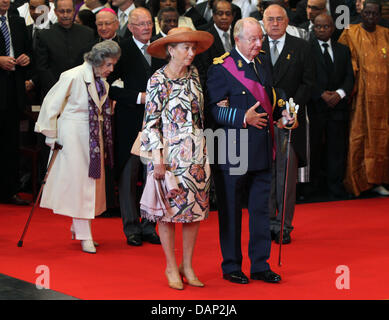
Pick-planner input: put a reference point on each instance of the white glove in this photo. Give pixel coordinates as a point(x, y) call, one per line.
point(50, 142)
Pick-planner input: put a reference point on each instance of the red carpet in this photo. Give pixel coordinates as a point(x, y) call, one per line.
point(327, 235)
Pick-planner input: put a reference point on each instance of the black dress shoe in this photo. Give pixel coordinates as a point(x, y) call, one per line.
point(286, 239)
point(152, 238)
point(16, 200)
point(134, 240)
point(267, 276)
point(236, 277)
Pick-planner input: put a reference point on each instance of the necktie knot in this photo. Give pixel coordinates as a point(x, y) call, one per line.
point(2, 19)
point(325, 45)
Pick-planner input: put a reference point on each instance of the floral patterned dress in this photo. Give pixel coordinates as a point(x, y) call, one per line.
point(173, 122)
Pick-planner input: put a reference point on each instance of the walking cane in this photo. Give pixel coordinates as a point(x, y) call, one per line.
point(57, 147)
point(292, 108)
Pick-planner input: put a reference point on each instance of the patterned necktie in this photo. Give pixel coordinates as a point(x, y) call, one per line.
point(145, 53)
point(227, 43)
point(274, 54)
point(5, 32)
point(327, 58)
point(122, 20)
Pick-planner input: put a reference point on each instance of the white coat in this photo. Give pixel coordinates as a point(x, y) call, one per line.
point(64, 115)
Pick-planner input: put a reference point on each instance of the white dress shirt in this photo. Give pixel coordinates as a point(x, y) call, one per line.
point(126, 12)
point(221, 35)
point(280, 44)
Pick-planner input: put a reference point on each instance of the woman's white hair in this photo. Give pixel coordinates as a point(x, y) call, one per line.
point(239, 26)
point(101, 51)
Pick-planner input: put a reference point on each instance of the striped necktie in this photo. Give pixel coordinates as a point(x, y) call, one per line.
point(5, 32)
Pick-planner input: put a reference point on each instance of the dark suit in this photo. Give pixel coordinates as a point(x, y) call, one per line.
point(133, 69)
point(294, 73)
point(215, 50)
point(301, 20)
point(32, 73)
point(301, 11)
point(58, 49)
point(330, 122)
point(197, 19)
point(222, 84)
point(12, 103)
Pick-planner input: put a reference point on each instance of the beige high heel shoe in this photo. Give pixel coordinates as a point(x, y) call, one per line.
point(191, 281)
point(96, 244)
point(178, 285)
point(88, 246)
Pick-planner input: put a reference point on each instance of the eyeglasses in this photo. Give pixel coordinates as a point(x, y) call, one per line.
point(253, 40)
point(106, 23)
point(324, 26)
point(272, 19)
point(374, 14)
point(143, 24)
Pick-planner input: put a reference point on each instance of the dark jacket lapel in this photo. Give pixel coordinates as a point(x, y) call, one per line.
point(139, 56)
point(284, 60)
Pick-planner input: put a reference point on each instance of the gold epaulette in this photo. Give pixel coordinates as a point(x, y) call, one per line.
point(219, 60)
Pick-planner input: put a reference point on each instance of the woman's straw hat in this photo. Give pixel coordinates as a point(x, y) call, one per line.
point(203, 39)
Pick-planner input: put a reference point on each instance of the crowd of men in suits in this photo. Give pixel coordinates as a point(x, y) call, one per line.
point(300, 65)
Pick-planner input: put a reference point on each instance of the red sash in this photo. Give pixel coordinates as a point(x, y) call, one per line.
point(257, 90)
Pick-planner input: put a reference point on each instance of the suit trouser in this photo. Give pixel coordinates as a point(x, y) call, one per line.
point(9, 142)
point(278, 183)
point(229, 195)
point(329, 141)
point(129, 204)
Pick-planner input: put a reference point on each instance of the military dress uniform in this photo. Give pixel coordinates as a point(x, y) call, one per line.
point(232, 77)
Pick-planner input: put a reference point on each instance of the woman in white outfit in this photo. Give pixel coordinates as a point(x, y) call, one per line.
point(76, 114)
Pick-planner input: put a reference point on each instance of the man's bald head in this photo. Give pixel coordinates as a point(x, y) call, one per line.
point(275, 20)
point(323, 26)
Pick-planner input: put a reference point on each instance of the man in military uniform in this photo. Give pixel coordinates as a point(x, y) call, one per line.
point(243, 78)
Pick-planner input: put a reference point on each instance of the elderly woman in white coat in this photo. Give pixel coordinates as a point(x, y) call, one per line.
point(76, 114)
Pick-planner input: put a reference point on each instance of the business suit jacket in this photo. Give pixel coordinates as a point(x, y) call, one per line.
point(21, 44)
point(204, 60)
point(302, 21)
point(133, 69)
point(197, 19)
point(220, 85)
point(58, 49)
point(294, 73)
point(301, 10)
point(35, 96)
point(342, 77)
